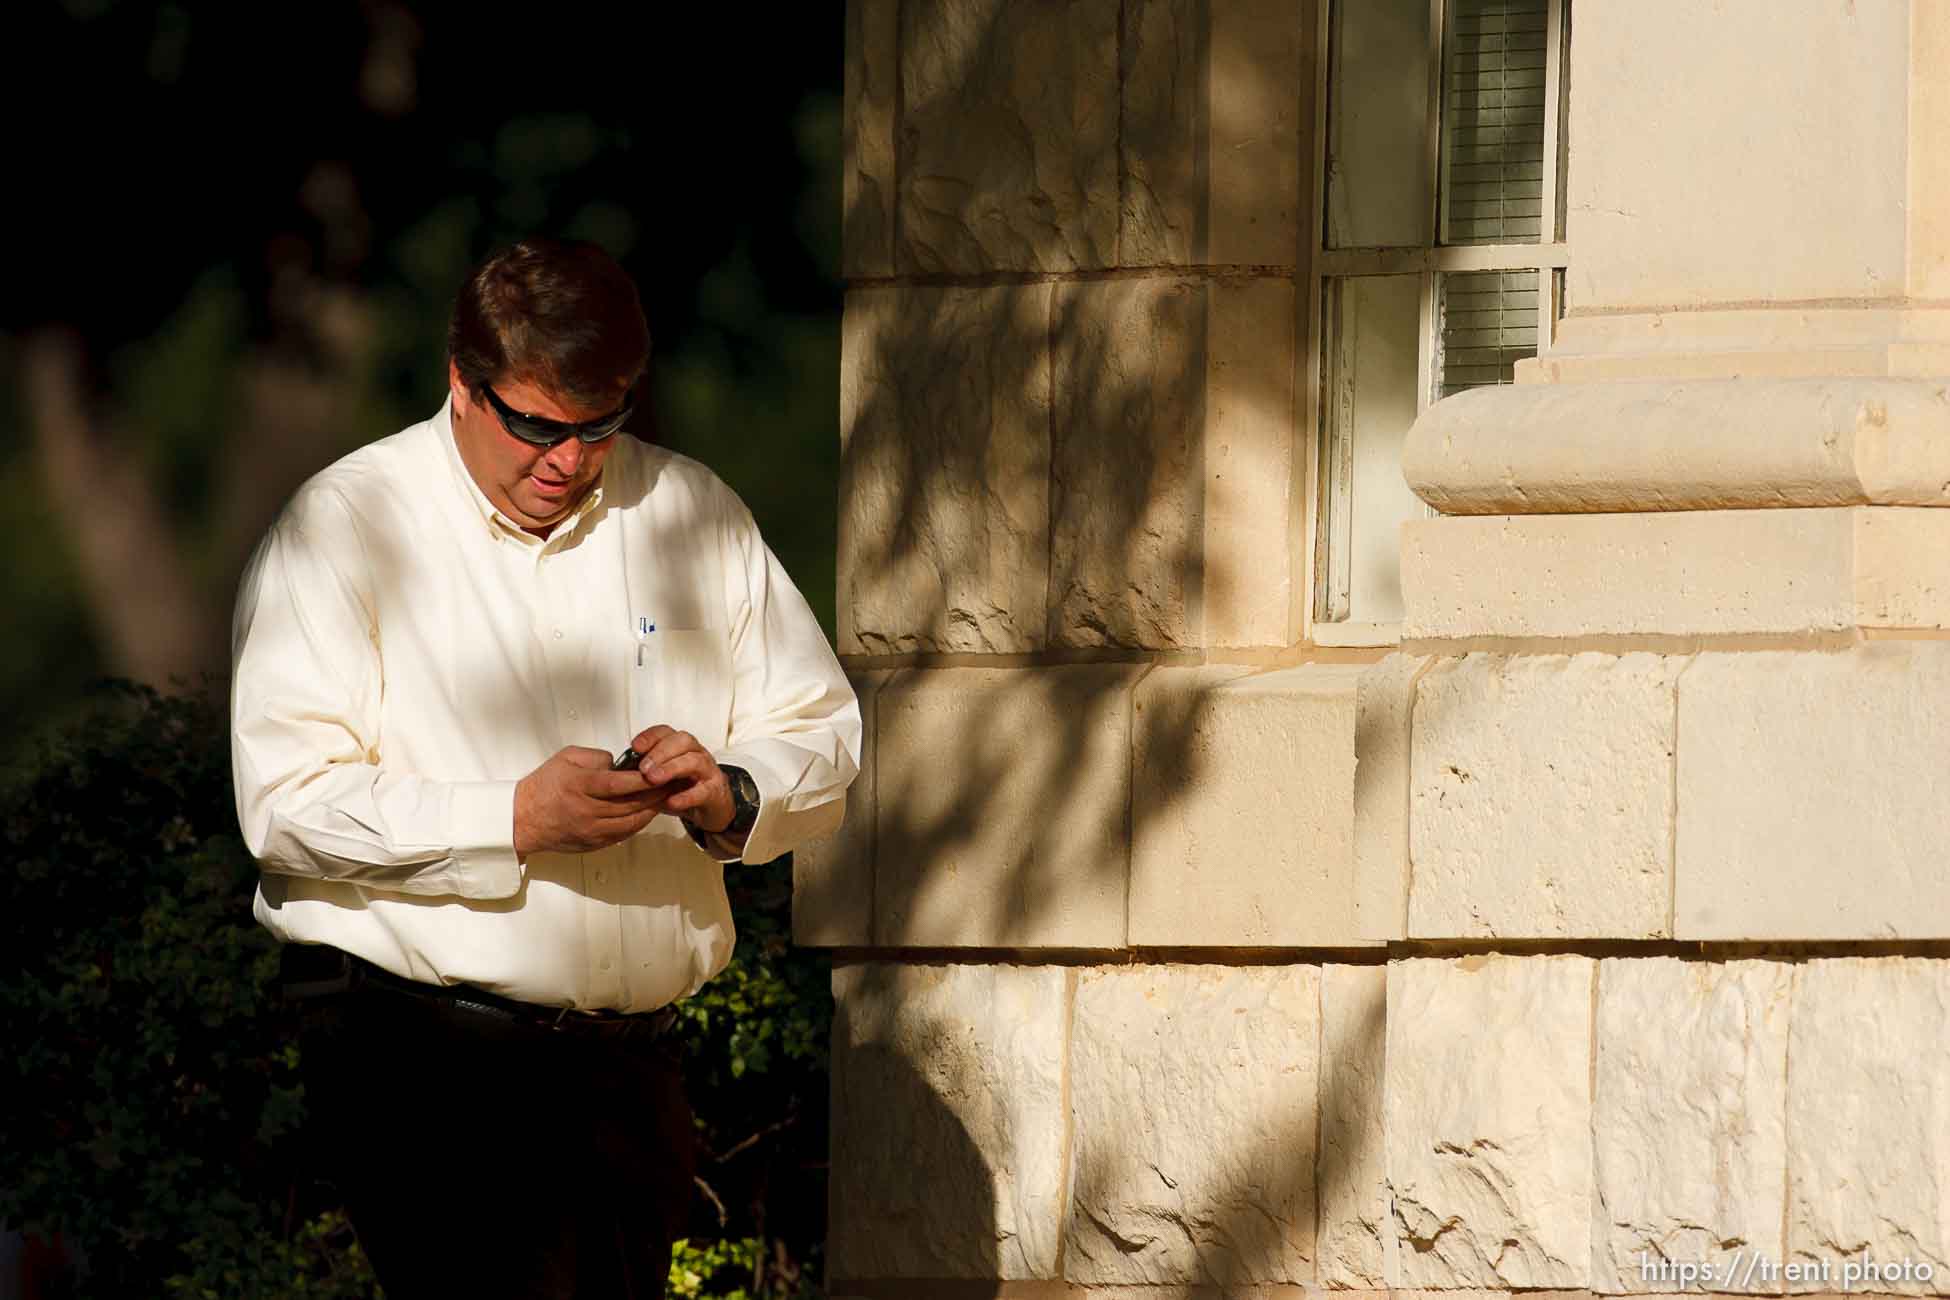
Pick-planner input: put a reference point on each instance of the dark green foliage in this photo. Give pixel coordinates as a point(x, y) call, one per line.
point(155, 1118)
point(757, 1081)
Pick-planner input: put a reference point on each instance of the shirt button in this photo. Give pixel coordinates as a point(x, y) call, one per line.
point(599, 877)
point(603, 964)
point(574, 714)
point(558, 634)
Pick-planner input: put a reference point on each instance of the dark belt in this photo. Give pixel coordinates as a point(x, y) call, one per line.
point(309, 970)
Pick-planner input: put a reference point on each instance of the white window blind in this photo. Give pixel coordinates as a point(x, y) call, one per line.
point(1493, 89)
point(1488, 323)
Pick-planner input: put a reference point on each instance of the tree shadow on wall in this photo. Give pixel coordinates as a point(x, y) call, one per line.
point(1062, 466)
point(911, 1190)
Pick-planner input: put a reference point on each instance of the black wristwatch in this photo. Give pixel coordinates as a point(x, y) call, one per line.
point(744, 807)
point(744, 799)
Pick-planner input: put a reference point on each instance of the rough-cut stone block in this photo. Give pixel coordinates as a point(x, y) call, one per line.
point(944, 479)
point(1125, 500)
point(1488, 1117)
point(1242, 816)
point(1677, 573)
point(1008, 136)
point(1001, 816)
point(1172, 505)
point(1689, 1111)
point(1542, 797)
point(1384, 700)
point(1215, 97)
point(867, 190)
point(1869, 1121)
point(1357, 1228)
point(1253, 473)
point(948, 1121)
point(1814, 794)
point(1193, 1094)
point(832, 878)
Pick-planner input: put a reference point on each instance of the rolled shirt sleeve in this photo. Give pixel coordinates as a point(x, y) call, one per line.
point(314, 795)
point(795, 723)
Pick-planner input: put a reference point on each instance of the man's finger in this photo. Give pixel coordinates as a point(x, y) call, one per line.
point(616, 785)
point(648, 737)
point(654, 798)
point(630, 825)
point(696, 796)
point(583, 756)
point(677, 742)
point(694, 764)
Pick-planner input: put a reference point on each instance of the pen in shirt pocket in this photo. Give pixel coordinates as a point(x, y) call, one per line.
point(644, 627)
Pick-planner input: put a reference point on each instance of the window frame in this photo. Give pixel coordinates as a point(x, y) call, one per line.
point(1330, 565)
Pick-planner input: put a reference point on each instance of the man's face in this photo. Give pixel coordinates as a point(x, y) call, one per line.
point(534, 486)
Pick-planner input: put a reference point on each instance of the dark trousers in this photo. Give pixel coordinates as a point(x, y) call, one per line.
point(486, 1160)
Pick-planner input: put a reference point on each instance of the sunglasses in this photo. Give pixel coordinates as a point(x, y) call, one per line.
point(538, 432)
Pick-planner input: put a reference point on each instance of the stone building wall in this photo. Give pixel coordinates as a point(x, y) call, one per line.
point(1600, 921)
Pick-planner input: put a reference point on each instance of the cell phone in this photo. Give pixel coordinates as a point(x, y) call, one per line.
point(626, 760)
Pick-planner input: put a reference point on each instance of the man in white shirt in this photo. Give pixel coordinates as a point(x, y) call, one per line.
point(438, 648)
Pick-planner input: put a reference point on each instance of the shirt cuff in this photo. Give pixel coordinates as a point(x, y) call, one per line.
point(721, 847)
point(482, 832)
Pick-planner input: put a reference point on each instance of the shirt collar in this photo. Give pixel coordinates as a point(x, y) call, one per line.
point(498, 523)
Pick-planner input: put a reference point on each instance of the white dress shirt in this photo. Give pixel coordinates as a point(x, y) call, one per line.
point(403, 654)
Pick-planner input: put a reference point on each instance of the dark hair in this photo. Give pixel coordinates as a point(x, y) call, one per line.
point(559, 314)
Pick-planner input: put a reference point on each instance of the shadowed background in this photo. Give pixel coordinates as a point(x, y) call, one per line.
point(235, 234)
point(237, 231)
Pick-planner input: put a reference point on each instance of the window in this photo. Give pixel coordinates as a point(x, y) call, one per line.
point(1441, 248)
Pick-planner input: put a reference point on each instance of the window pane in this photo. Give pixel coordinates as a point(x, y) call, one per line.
point(1493, 66)
point(1488, 322)
point(1374, 330)
point(1378, 124)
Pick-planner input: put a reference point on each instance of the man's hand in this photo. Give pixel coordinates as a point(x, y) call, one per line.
point(573, 803)
point(690, 779)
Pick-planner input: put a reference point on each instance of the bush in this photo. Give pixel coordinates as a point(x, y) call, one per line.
point(157, 1115)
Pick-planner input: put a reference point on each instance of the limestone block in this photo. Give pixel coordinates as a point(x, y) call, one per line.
point(1243, 809)
point(1685, 573)
point(867, 107)
point(1357, 1228)
point(1193, 1095)
point(1550, 448)
point(1008, 136)
point(832, 878)
point(1185, 1291)
point(948, 1121)
point(1173, 463)
point(1902, 576)
point(1126, 524)
point(1488, 1119)
point(1928, 206)
point(1825, 176)
point(1869, 1120)
point(944, 507)
point(1690, 1104)
point(1252, 593)
point(1384, 700)
point(1216, 120)
point(1814, 796)
point(1001, 814)
point(1541, 798)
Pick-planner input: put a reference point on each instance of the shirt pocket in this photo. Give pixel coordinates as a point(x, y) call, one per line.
point(681, 677)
